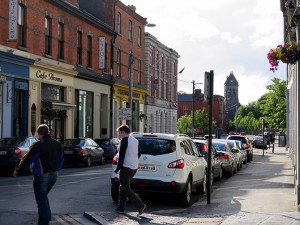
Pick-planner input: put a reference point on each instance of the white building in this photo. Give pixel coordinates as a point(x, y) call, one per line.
point(161, 66)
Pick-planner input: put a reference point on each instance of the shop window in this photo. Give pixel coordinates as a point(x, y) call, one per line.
point(60, 40)
point(48, 35)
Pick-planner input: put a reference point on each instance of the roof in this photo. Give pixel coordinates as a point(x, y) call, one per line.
point(231, 80)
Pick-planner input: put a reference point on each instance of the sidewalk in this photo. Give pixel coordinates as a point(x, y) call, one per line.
point(261, 193)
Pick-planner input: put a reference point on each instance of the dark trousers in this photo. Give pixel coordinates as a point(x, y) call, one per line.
point(42, 184)
point(125, 191)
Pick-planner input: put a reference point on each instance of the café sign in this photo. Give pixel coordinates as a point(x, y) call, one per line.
point(43, 75)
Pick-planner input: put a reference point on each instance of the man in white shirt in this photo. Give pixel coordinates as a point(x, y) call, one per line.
point(127, 165)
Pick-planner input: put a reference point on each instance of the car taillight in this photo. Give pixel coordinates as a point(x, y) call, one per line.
point(178, 164)
point(114, 162)
point(204, 148)
point(224, 156)
point(80, 151)
point(18, 151)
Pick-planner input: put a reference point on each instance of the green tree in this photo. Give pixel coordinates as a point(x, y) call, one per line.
point(201, 120)
point(184, 124)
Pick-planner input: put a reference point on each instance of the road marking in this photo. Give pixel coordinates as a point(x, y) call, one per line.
point(58, 219)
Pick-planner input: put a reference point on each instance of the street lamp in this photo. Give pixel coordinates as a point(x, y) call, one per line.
point(131, 61)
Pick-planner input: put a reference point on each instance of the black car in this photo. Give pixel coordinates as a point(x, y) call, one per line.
point(12, 149)
point(109, 146)
point(82, 151)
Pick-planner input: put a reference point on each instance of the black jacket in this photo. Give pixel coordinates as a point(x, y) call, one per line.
point(46, 155)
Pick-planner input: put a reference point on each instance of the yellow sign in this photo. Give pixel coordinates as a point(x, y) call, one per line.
point(2, 79)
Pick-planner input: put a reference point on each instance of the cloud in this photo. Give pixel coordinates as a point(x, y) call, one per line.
point(227, 36)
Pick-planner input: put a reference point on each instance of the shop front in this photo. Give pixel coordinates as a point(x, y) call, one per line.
point(14, 93)
point(93, 113)
point(121, 99)
point(51, 100)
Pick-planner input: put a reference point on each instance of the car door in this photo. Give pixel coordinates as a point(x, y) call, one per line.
point(98, 151)
point(89, 148)
point(200, 162)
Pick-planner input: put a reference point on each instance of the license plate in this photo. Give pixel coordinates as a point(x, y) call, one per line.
point(147, 167)
point(3, 152)
point(68, 152)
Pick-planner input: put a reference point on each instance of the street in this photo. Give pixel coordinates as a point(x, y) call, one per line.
point(78, 189)
point(262, 190)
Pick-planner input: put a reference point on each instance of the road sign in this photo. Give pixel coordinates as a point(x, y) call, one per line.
point(125, 114)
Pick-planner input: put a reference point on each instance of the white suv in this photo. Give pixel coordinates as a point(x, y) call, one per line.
point(169, 164)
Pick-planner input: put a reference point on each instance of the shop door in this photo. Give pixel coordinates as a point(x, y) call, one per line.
point(55, 121)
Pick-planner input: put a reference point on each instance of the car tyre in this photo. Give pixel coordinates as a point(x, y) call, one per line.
point(88, 161)
point(230, 173)
point(220, 177)
point(114, 194)
point(186, 196)
point(102, 160)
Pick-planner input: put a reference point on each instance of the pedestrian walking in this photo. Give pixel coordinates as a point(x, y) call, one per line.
point(127, 165)
point(46, 157)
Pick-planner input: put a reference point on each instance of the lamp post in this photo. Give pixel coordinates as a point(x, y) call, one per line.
point(193, 109)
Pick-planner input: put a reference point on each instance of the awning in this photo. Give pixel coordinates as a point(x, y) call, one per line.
point(57, 105)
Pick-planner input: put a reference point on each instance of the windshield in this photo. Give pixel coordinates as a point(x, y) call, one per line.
point(155, 146)
point(242, 139)
point(15, 141)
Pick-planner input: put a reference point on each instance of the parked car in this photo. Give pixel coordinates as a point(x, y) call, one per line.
point(246, 144)
point(12, 149)
point(258, 141)
point(234, 148)
point(215, 161)
point(82, 151)
point(266, 136)
point(242, 150)
point(109, 146)
point(169, 164)
point(228, 159)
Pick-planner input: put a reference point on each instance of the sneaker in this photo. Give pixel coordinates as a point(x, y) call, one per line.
point(118, 210)
point(141, 210)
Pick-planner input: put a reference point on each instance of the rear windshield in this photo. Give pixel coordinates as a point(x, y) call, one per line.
point(73, 142)
point(102, 142)
point(155, 146)
point(242, 139)
point(219, 146)
point(16, 141)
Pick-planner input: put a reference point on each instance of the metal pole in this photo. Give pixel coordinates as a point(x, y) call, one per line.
point(193, 110)
point(263, 129)
point(131, 61)
point(209, 169)
point(236, 118)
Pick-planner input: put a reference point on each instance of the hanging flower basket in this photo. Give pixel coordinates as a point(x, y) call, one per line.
point(288, 53)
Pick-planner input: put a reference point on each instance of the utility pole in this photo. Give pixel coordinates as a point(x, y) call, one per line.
point(193, 110)
point(131, 61)
point(236, 118)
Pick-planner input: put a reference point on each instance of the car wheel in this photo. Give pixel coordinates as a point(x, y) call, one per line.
point(114, 193)
point(187, 194)
point(88, 161)
point(102, 160)
point(203, 187)
point(248, 158)
point(230, 173)
point(219, 178)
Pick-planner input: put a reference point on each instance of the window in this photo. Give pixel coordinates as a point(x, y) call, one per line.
point(79, 48)
point(139, 71)
point(130, 30)
point(60, 40)
point(48, 35)
point(119, 22)
point(139, 36)
point(84, 114)
point(89, 52)
point(119, 62)
point(21, 26)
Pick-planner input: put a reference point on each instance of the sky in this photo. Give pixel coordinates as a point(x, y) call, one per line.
point(221, 35)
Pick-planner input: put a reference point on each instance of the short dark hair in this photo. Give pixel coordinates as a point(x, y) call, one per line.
point(43, 130)
point(124, 128)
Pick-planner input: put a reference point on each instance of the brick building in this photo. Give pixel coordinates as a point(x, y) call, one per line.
point(185, 105)
point(55, 60)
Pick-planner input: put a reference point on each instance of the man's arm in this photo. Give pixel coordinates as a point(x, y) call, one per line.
point(26, 160)
point(124, 145)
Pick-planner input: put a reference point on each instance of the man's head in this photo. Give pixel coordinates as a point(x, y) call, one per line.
point(123, 131)
point(43, 130)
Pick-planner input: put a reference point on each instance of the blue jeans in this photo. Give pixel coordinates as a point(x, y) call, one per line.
point(42, 184)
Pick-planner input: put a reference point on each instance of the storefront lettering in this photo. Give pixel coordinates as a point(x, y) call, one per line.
point(123, 92)
point(47, 76)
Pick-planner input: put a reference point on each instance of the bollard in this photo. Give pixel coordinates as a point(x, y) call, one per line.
point(273, 148)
